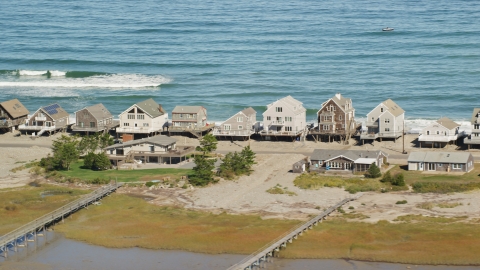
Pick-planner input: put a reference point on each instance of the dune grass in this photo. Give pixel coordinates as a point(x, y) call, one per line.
point(76, 171)
point(21, 205)
point(416, 240)
point(124, 221)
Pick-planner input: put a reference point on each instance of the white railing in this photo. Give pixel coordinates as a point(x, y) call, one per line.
point(40, 118)
point(137, 129)
point(233, 132)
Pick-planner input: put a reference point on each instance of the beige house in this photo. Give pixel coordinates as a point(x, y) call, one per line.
point(156, 149)
point(384, 121)
point(49, 119)
point(474, 138)
point(284, 117)
point(145, 117)
point(189, 117)
point(439, 134)
point(12, 114)
point(242, 124)
point(440, 161)
point(95, 118)
point(336, 118)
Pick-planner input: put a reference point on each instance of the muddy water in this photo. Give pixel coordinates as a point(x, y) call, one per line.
point(60, 253)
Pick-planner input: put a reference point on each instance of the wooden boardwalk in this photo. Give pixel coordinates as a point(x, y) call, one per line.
point(268, 250)
point(21, 236)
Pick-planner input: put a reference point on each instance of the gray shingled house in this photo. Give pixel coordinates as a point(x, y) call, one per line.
point(440, 161)
point(439, 133)
point(346, 160)
point(474, 138)
point(12, 114)
point(95, 118)
point(156, 149)
point(190, 119)
point(49, 119)
point(240, 125)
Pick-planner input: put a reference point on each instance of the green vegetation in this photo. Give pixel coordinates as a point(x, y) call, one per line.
point(236, 164)
point(98, 161)
point(414, 240)
point(352, 185)
point(77, 172)
point(444, 187)
point(279, 190)
point(203, 170)
point(402, 202)
point(22, 205)
point(124, 221)
point(430, 205)
point(396, 180)
point(373, 171)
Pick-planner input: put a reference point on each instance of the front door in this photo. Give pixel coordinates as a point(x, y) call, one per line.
point(420, 166)
point(431, 166)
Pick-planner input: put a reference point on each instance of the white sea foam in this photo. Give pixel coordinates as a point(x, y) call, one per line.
point(57, 73)
point(414, 126)
point(99, 81)
point(32, 72)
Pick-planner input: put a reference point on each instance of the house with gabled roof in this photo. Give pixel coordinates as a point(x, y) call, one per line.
point(284, 117)
point(12, 114)
point(48, 119)
point(384, 121)
point(474, 138)
point(156, 149)
point(346, 160)
point(440, 161)
point(439, 133)
point(240, 125)
point(144, 117)
point(336, 118)
point(94, 118)
point(190, 119)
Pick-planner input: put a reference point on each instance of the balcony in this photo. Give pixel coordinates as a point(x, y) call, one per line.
point(139, 130)
point(372, 124)
point(217, 132)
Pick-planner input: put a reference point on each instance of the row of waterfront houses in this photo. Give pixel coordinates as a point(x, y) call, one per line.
point(285, 117)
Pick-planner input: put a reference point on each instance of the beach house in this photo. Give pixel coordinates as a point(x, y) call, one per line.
point(284, 117)
point(155, 149)
point(94, 119)
point(384, 121)
point(439, 133)
point(346, 160)
point(240, 125)
point(474, 138)
point(12, 114)
point(48, 119)
point(146, 117)
point(440, 161)
point(336, 119)
point(190, 119)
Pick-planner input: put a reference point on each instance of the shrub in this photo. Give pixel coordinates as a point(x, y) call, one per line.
point(11, 207)
point(387, 178)
point(340, 209)
point(401, 202)
point(149, 184)
point(373, 171)
point(398, 180)
point(351, 207)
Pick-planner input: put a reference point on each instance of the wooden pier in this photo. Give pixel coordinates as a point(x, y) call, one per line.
point(268, 250)
point(30, 231)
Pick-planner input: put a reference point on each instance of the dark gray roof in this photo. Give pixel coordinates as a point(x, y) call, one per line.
point(160, 140)
point(99, 111)
point(327, 154)
point(151, 107)
point(249, 111)
point(14, 108)
point(439, 157)
point(476, 111)
point(187, 109)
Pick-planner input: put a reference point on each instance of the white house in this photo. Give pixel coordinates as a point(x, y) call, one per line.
point(384, 121)
point(144, 117)
point(439, 133)
point(474, 138)
point(284, 117)
point(241, 124)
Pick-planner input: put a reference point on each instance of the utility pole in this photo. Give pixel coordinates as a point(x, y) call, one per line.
point(403, 135)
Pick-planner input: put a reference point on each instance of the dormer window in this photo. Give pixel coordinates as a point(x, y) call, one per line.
point(278, 109)
point(381, 109)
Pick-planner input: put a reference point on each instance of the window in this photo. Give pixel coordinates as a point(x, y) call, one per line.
point(278, 109)
point(387, 129)
point(288, 118)
point(141, 116)
point(240, 127)
point(145, 124)
point(438, 132)
point(340, 117)
point(279, 119)
point(131, 116)
point(269, 118)
point(227, 127)
point(428, 132)
point(381, 109)
point(92, 124)
point(456, 166)
point(440, 164)
point(126, 124)
point(387, 120)
point(325, 127)
point(476, 126)
point(373, 119)
point(239, 119)
point(288, 128)
point(181, 115)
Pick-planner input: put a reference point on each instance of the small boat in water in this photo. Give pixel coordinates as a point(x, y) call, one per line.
point(387, 29)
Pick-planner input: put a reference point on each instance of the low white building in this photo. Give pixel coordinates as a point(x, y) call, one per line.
point(439, 133)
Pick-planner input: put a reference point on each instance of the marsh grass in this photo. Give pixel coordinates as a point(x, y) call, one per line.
point(431, 205)
point(279, 190)
point(416, 240)
point(123, 221)
point(22, 205)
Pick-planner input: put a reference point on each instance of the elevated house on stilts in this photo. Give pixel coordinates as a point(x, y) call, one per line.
point(94, 119)
point(336, 120)
point(239, 126)
point(386, 121)
point(12, 114)
point(189, 120)
point(48, 119)
point(284, 118)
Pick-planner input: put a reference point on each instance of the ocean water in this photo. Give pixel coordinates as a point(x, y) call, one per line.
point(228, 55)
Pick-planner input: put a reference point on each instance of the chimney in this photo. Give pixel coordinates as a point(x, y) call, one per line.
point(338, 95)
